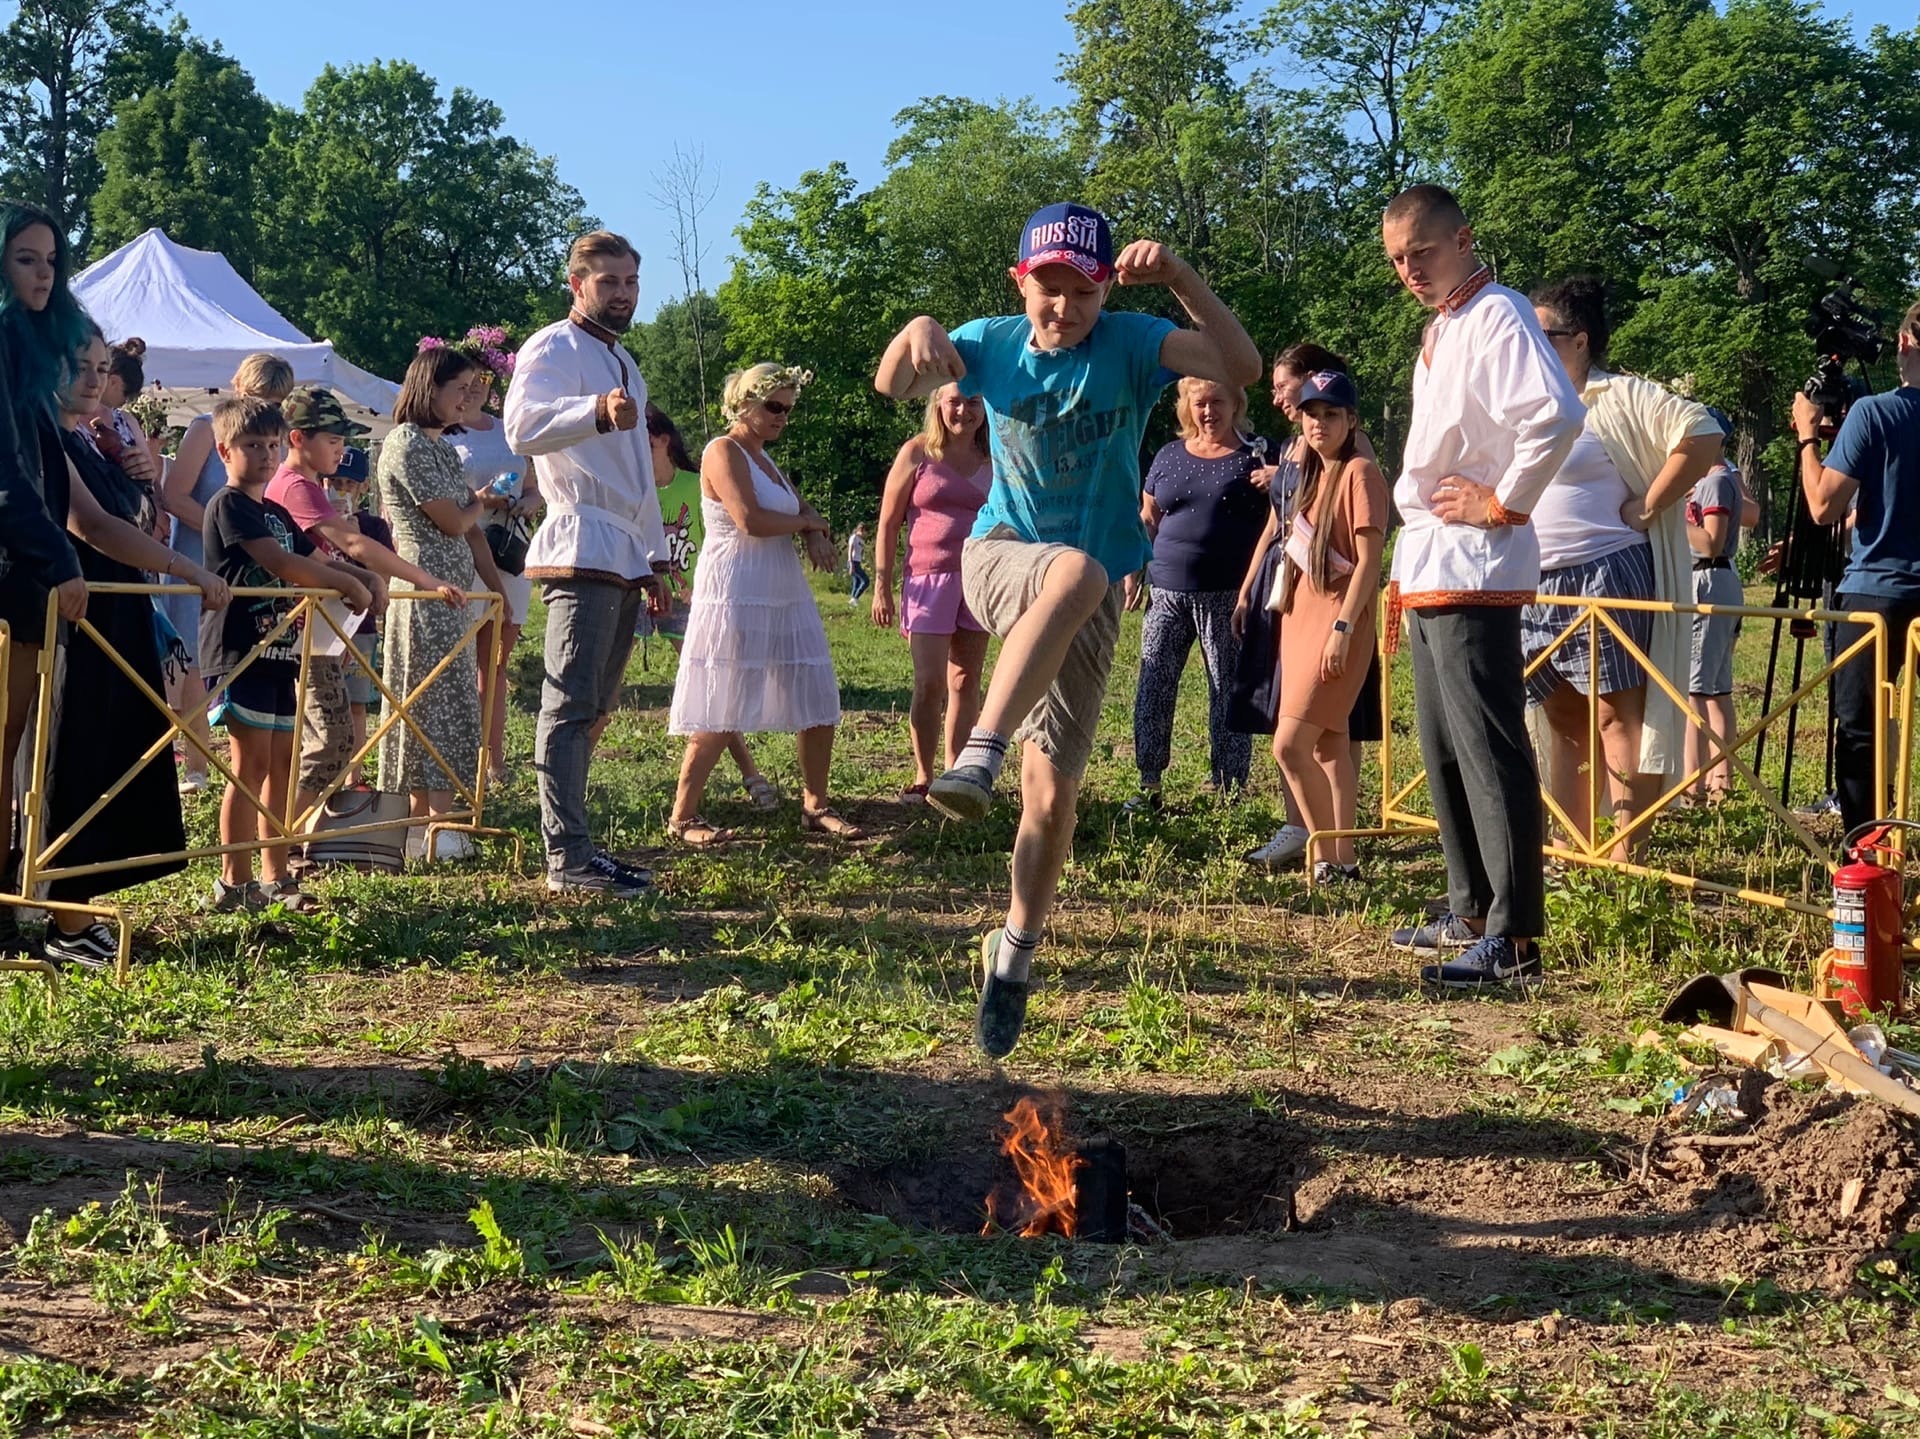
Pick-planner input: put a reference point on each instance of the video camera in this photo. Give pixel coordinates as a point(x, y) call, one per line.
point(1844, 331)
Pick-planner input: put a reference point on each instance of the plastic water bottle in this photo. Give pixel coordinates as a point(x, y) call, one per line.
point(505, 485)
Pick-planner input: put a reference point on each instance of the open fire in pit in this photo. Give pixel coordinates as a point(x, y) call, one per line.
point(1073, 1189)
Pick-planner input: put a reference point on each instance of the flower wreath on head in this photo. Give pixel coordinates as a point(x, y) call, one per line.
point(786, 377)
point(488, 346)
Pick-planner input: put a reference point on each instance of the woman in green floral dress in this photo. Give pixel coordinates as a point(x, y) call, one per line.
point(435, 519)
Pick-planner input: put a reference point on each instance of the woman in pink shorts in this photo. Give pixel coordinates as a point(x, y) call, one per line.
point(937, 485)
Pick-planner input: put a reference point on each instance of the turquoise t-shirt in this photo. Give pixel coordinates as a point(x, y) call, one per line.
point(1065, 429)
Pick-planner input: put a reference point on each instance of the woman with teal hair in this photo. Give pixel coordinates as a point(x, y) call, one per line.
point(41, 330)
point(81, 492)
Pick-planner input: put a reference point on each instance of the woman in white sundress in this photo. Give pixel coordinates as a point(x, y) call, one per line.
point(755, 658)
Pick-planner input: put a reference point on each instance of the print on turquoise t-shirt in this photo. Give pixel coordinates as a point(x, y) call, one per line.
point(1065, 428)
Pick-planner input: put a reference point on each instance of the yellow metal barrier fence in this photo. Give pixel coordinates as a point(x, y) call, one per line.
point(17, 963)
point(1594, 615)
point(292, 823)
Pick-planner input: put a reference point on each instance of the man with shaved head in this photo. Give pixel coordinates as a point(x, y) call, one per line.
point(1494, 415)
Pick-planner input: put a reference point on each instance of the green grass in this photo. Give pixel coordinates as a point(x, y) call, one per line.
point(453, 1157)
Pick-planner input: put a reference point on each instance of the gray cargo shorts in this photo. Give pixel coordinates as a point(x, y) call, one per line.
point(1000, 576)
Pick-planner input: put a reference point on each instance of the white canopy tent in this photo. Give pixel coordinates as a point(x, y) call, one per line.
point(200, 319)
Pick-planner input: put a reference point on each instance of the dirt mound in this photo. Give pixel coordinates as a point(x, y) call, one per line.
point(1811, 1147)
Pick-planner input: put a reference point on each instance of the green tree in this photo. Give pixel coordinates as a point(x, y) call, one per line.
point(669, 348)
point(1156, 106)
point(1367, 54)
point(1519, 113)
point(812, 286)
point(184, 157)
point(1363, 61)
point(393, 213)
point(1750, 140)
point(64, 64)
point(963, 177)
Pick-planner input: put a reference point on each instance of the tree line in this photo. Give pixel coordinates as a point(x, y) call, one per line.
point(378, 210)
point(1695, 157)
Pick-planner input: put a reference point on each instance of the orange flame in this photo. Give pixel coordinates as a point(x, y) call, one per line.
point(1045, 1161)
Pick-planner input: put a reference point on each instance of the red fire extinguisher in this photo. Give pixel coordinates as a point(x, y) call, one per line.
point(1867, 912)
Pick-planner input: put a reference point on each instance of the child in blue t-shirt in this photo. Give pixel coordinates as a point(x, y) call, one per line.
point(1068, 388)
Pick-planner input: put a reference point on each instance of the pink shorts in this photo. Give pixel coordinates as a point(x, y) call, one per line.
point(932, 605)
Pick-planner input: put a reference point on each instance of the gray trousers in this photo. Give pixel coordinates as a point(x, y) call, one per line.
point(1175, 619)
point(1471, 703)
point(590, 625)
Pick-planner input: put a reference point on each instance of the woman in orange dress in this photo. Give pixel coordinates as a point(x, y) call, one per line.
point(1331, 578)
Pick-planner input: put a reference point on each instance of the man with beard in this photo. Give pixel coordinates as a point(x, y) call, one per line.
point(574, 407)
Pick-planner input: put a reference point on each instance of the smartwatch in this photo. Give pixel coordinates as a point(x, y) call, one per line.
point(1341, 627)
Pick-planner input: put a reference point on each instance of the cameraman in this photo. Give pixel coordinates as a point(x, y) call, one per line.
point(1874, 464)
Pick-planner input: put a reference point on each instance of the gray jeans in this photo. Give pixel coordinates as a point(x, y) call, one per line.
point(1471, 704)
point(590, 626)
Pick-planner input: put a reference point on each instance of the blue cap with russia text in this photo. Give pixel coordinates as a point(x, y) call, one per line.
point(1067, 235)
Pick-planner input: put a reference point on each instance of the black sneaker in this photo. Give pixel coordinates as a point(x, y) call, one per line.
point(600, 874)
point(95, 947)
point(637, 875)
point(1495, 962)
point(964, 792)
point(1148, 801)
point(1003, 1005)
point(1436, 936)
point(1326, 873)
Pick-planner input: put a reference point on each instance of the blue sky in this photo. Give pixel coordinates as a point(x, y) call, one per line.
point(767, 90)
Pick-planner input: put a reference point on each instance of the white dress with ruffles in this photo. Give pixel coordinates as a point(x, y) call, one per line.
point(755, 657)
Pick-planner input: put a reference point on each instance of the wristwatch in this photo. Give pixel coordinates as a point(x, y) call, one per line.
point(1341, 627)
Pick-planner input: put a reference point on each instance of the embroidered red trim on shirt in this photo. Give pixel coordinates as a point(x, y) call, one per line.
point(1453, 305)
point(1437, 599)
point(1467, 289)
point(1498, 514)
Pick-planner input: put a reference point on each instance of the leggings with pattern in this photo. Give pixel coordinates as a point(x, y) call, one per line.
point(1175, 618)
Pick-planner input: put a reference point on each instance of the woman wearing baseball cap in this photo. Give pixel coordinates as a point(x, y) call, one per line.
point(1329, 582)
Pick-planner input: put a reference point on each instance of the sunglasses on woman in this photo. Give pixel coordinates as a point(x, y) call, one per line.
point(774, 407)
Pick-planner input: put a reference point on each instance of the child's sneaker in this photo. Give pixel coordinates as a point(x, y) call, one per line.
point(96, 947)
point(1494, 963)
point(1003, 1004)
point(964, 792)
point(1288, 847)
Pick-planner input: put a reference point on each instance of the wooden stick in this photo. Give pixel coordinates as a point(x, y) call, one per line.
point(1843, 1063)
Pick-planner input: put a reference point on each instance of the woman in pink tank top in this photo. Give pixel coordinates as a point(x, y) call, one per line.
point(937, 485)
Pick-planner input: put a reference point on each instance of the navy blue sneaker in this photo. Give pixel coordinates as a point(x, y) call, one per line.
point(964, 792)
point(1436, 936)
point(1495, 962)
point(1003, 1004)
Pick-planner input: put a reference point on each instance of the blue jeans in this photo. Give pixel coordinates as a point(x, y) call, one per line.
point(589, 636)
point(858, 572)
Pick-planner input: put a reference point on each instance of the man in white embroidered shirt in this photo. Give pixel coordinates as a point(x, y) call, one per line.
point(574, 407)
point(1494, 415)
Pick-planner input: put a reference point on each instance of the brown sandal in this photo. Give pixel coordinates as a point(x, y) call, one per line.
point(830, 821)
point(698, 833)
